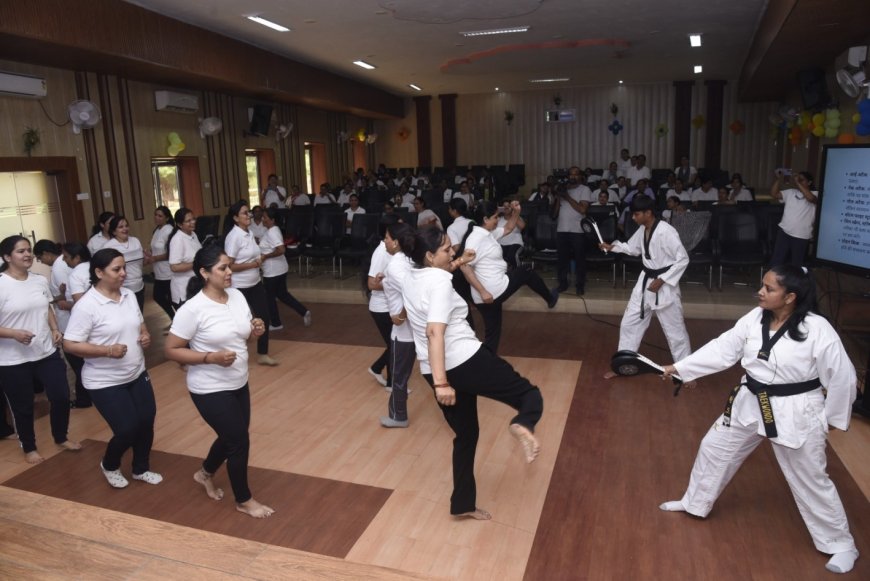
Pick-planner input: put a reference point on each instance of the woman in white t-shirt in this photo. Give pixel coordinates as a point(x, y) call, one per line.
point(512, 240)
point(275, 273)
point(209, 335)
point(164, 226)
point(402, 355)
point(100, 233)
point(77, 258)
point(107, 330)
point(491, 284)
point(378, 308)
point(798, 217)
point(459, 367)
point(182, 247)
point(135, 257)
point(245, 262)
point(426, 218)
point(29, 337)
point(353, 210)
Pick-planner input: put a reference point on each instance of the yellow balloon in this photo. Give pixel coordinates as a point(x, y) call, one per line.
point(856, 118)
point(174, 138)
point(819, 130)
point(819, 119)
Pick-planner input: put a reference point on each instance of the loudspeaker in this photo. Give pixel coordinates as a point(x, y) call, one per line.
point(814, 89)
point(261, 118)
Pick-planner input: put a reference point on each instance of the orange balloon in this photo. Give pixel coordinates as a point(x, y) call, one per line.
point(846, 138)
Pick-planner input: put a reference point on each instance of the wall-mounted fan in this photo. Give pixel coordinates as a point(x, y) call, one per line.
point(851, 74)
point(83, 115)
point(283, 131)
point(210, 126)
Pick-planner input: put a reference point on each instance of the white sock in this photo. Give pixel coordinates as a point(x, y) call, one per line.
point(842, 562)
point(673, 506)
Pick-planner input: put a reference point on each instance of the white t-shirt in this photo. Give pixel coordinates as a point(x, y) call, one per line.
point(798, 214)
point(60, 272)
point(258, 230)
point(380, 260)
point(457, 230)
point(24, 305)
point(134, 257)
point(277, 265)
point(569, 218)
point(684, 195)
point(635, 174)
point(343, 198)
point(79, 280)
point(515, 237)
point(622, 167)
point(488, 264)
point(182, 248)
point(429, 298)
point(99, 320)
point(158, 247)
point(699, 195)
point(300, 200)
point(426, 217)
point(325, 199)
point(240, 246)
point(394, 280)
point(209, 326)
point(469, 199)
point(270, 197)
point(96, 242)
point(448, 195)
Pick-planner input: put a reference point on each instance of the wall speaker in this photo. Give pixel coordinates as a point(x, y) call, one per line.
point(261, 119)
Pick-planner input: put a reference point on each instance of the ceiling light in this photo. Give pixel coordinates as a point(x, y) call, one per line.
point(364, 65)
point(620, 81)
point(559, 80)
point(268, 23)
point(695, 40)
point(496, 31)
point(699, 69)
point(415, 87)
point(496, 88)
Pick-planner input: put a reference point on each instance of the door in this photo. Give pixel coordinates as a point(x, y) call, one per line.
point(30, 206)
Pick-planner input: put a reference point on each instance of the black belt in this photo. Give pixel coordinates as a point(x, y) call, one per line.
point(647, 274)
point(763, 393)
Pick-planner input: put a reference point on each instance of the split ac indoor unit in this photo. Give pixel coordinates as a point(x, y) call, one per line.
point(15, 85)
point(178, 102)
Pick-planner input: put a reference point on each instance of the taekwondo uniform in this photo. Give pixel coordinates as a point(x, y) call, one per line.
point(781, 397)
point(663, 257)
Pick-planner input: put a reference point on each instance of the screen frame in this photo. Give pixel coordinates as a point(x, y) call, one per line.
point(833, 264)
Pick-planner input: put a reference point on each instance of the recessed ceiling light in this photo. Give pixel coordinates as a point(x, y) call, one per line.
point(268, 23)
point(496, 88)
point(559, 80)
point(620, 81)
point(415, 87)
point(364, 65)
point(496, 31)
point(699, 69)
point(695, 40)
point(310, 21)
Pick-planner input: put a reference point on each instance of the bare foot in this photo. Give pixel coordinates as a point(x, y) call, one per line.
point(531, 446)
point(255, 509)
point(477, 514)
point(33, 457)
point(610, 375)
point(70, 445)
point(211, 490)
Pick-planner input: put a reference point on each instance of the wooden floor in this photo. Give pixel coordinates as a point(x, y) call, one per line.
point(587, 509)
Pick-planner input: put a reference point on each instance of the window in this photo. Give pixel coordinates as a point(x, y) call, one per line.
point(167, 185)
point(309, 170)
point(252, 165)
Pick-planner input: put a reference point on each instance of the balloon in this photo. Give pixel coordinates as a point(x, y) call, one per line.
point(856, 118)
point(846, 139)
point(176, 146)
point(805, 117)
point(810, 126)
point(819, 131)
point(863, 130)
point(832, 113)
point(174, 138)
point(830, 132)
point(833, 123)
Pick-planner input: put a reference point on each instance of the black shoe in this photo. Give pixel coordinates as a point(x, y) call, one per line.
point(554, 298)
point(79, 405)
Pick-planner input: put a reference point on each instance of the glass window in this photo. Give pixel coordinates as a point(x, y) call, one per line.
point(167, 185)
point(252, 164)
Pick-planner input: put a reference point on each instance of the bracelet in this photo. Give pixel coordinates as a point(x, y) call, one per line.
point(401, 318)
point(437, 385)
point(205, 359)
point(109, 351)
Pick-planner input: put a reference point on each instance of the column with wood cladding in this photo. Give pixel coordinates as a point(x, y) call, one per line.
point(682, 120)
point(424, 131)
point(715, 104)
point(448, 128)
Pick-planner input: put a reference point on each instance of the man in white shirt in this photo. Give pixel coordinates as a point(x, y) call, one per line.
point(570, 240)
point(297, 198)
point(799, 214)
point(685, 171)
point(274, 195)
point(323, 196)
point(640, 171)
point(623, 164)
point(706, 193)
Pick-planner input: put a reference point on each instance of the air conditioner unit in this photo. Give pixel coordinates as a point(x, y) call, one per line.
point(561, 116)
point(15, 85)
point(177, 102)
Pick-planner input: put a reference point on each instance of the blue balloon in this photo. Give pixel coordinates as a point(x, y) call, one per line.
point(864, 106)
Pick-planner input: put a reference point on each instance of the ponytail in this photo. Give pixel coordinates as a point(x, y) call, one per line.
point(425, 240)
point(205, 258)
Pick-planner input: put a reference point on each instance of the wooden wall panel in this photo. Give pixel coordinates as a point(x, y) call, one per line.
point(754, 152)
point(393, 152)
